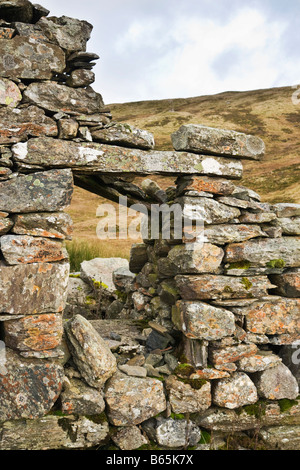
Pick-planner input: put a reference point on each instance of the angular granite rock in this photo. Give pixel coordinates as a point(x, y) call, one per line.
point(10, 94)
point(80, 399)
point(288, 283)
point(260, 361)
point(231, 353)
point(203, 139)
point(16, 10)
point(276, 383)
point(92, 156)
point(234, 392)
point(132, 400)
point(18, 124)
point(222, 287)
point(90, 352)
point(231, 233)
point(27, 58)
point(36, 288)
point(34, 332)
point(24, 249)
point(198, 320)
point(44, 224)
point(68, 33)
point(54, 97)
point(208, 211)
point(124, 135)
point(48, 191)
point(184, 398)
point(183, 259)
point(25, 379)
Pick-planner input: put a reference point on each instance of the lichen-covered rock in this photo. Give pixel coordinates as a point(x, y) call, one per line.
point(200, 184)
point(132, 400)
point(209, 286)
point(47, 191)
point(129, 438)
point(80, 78)
point(37, 288)
point(172, 433)
point(281, 437)
point(230, 354)
point(80, 399)
point(198, 320)
point(68, 33)
point(10, 94)
point(183, 259)
point(191, 397)
point(286, 209)
point(231, 233)
point(276, 383)
point(124, 135)
point(18, 124)
point(5, 225)
point(93, 156)
point(99, 271)
point(27, 58)
point(54, 97)
point(288, 225)
point(90, 352)
point(260, 361)
point(208, 211)
point(24, 379)
point(24, 249)
point(203, 139)
point(43, 224)
point(235, 391)
point(34, 332)
point(53, 432)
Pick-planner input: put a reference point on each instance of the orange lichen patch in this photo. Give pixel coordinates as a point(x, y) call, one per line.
point(6, 33)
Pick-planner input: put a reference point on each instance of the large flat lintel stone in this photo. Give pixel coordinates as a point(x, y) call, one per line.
point(92, 157)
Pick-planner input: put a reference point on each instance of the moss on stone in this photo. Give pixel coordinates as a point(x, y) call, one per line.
point(177, 416)
point(276, 264)
point(184, 370)
point(240, 265)
point(285, 404)
point(246, 283)
point(98, 419)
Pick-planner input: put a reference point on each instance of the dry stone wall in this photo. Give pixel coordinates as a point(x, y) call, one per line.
point(201, 338)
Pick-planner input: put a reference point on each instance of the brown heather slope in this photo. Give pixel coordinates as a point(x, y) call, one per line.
point(269, 114)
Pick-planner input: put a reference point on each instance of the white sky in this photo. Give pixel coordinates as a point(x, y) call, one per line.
point(160, 49)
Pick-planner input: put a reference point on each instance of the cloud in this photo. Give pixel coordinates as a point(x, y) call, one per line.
point(153, 49)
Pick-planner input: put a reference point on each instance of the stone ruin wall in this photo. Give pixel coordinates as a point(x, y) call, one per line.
point(194, 340)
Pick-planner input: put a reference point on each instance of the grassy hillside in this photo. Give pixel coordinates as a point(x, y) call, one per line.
point(269, 114)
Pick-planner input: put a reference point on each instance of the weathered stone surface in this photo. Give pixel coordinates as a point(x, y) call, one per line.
point(18, 124)
point(272, 316)
point(231, 233)
point(53, 432)
point(235, 391)
point(129, 438)
point(202, 139)
point(92, 156)
point(269, 253)
point(172, 433)
point(281, 437)
point(138, 257)
point(261, 361)
point(90, 352)
point(133, 371)
point(184, 398)
point(198, 320)
point(100, 270)
point(289, 225)
point(34, 332)
point(48, 191)
point(209, 211)
point(68, 129)
point(80, 78)
point(37, 288)
point(221, 287)
point(54, 97)
point(16, 10)
point(132, 400)
point(10, 94)
point(209, 374)
point(286, 210)
point(80, 299)
point(123, 279)
point(68, 33)
point(80, 399)
point(124, 135)
point(154, 191)
point(276, 383)
point(182, 259)
point(260, 218)
point(288, 283)
point(44, 224)
point(27, 58)
point(6, 33)
point(232, 353)
point(201, 184)
point(24, 249)
point(5, 225)
point(24, 379)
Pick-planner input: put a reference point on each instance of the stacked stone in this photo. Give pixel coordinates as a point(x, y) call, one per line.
point(233, 293)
